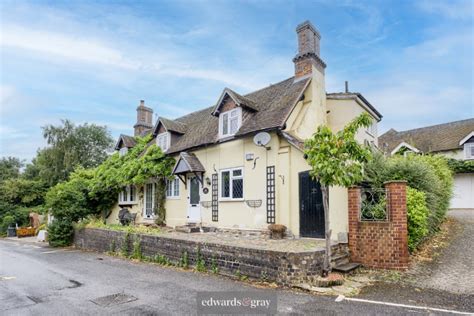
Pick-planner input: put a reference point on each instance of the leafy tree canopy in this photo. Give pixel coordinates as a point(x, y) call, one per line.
point(70, 146)
point(337, 158)
point(9, 168)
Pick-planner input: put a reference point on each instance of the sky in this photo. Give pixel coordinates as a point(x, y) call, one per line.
point(93, 61)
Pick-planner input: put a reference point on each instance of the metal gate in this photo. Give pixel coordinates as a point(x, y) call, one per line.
point(311, 207)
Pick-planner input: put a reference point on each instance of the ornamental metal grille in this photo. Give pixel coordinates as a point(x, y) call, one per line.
point(271, 194)
point(214, 202)
point(374, 205)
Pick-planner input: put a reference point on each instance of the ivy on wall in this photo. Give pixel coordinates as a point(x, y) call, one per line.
point(461, 166)
point(95, 190)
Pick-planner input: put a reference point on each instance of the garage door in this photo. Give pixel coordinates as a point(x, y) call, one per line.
point(463, 191)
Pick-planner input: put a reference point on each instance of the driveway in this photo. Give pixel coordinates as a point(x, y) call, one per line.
point(448, 280)
point(38, 280)
point(453, 271)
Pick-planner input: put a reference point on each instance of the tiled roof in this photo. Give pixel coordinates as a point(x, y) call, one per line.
point(272, 104)
point(434, 138)
point(192, 163)
point(172, 126)
point(126, 141)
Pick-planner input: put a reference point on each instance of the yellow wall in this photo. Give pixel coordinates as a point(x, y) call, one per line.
point(288, 161)
point(342, 112)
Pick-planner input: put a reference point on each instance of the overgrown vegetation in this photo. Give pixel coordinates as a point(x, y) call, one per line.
point(94, 191)
point(93, 222)
point(427, 174)
point(461, 166)
point(69, 147)
point(418, 214)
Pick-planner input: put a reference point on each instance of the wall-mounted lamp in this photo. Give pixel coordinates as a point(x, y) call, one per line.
point(208, 181)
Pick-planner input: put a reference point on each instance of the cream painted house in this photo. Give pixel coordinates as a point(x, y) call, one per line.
point(454, 140)
point(227, 178)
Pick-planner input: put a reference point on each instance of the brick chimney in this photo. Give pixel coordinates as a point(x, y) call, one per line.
point(308, 50)
point(144, 119)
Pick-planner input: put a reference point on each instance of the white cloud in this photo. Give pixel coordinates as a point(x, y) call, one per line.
point(63, 45)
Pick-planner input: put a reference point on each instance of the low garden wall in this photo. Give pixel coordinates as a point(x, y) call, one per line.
point(284, 268)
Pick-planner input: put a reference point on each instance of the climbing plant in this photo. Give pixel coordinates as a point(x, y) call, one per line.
point(336, 159)
point(90, 191)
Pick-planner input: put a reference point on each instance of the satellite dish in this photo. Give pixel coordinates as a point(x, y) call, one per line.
point(262, 139)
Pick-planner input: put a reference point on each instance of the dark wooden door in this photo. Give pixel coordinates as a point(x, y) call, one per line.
point(311, 207)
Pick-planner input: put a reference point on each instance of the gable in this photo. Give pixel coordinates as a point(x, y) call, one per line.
point(230, 99)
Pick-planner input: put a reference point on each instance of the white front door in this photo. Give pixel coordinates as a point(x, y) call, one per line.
point(194, 199)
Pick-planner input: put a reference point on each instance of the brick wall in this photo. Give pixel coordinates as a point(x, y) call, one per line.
point(275, 266)
point(380, 244)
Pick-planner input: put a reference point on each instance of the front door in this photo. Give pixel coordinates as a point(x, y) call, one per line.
point(194, 197)
point(311, 207)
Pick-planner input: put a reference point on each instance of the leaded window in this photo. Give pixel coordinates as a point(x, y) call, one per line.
point(232, 184)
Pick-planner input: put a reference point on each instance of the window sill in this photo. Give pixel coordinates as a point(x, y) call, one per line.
point(232, 200)
point(173, 198)
point(127, 203)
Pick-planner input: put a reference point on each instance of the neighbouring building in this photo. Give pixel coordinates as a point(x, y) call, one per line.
point(226, 178)
point(453, 140)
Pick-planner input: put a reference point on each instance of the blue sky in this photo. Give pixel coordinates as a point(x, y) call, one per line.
point(94, 61)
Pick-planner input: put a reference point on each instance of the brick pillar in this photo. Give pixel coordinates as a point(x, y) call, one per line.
point(380, 244)
point(399, 219)
point(354, 206)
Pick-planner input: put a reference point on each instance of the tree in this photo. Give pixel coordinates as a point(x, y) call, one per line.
point(10, 168)
point(70, 146)
point(336, 159)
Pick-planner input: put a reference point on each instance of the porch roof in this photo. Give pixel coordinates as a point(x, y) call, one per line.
point(187, 163)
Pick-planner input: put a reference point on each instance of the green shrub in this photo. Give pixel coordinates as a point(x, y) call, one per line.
point(7, 221)
point(60, 233)
point(429, 174)
point(418, 215)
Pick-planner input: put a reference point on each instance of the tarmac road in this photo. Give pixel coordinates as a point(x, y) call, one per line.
point(38, 280)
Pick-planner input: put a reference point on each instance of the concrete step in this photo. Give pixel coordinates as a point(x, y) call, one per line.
point(340, 259)
point(346, 268)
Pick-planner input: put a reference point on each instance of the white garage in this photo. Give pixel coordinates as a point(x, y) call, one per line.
point(463, 191)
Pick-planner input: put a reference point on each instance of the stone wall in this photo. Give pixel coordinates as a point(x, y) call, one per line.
point(281, 267)
point(380, 244)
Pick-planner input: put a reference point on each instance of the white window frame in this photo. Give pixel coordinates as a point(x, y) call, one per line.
point(166, 143)
point(468, 151)
point(128, 200)
point(172, 189)
point(123, 151)
point(230, 115)
point(231, 178)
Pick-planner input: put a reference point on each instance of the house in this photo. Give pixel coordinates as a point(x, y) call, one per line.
point(453, 140)
point(240, 162)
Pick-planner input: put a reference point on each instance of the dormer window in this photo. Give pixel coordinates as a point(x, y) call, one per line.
point(163, 141)
point(469, 150)
point(123, 151)
point(230, 122)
